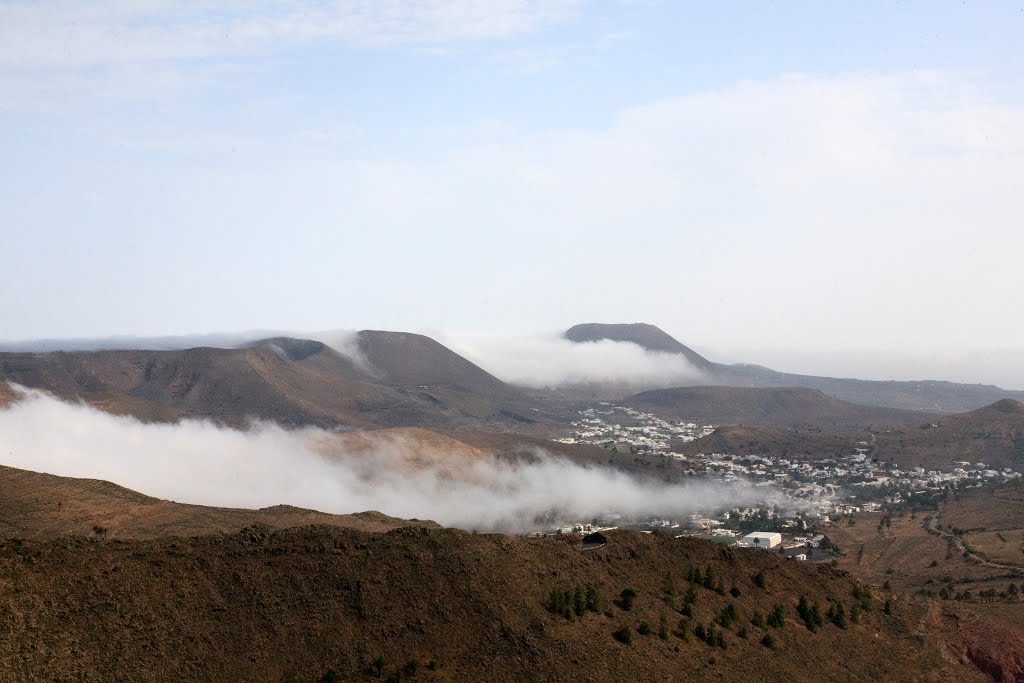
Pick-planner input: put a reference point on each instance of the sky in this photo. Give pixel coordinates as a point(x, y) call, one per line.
point(794, 181)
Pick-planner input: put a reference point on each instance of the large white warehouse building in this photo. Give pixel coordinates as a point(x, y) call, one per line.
point(761, 539)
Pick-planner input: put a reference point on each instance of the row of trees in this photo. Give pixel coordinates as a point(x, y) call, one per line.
point(575, 603)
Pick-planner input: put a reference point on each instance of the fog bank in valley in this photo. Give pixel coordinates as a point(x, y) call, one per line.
point(202, 463)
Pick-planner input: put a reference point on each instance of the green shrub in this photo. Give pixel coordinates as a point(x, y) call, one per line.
point(683, 629)
point(626, 598)
point(777, 617)
point(837, 614)
point(729, 615)
point(811, 614)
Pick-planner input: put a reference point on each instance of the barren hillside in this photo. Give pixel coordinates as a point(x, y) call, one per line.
point(787, 407)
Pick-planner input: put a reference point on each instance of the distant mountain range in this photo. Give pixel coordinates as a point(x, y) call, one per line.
point(930, 395)
point(385, 379)
point(395, 379)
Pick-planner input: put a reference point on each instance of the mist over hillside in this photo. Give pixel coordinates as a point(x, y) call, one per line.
point(393, 472)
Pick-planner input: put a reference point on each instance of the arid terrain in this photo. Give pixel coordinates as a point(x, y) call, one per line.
point(309, 603)
point(99, 582)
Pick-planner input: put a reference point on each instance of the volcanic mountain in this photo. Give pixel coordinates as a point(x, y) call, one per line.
point(395, 379)
point(641, 334)
point(937, 396)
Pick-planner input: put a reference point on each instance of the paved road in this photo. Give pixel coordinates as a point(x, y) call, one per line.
point(933, 525)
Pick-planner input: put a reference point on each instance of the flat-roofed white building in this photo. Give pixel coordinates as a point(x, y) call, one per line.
point(761, 539)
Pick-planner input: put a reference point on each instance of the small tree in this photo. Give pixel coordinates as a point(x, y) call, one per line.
point(760, 580)
point(777, 617)
point(729, 615)
point(579, 601)
point(837, 614)
point(663, 627)
point(683, 629)
point(709, 578)
point(624, 635)
point(626, 598)
point(644, 628)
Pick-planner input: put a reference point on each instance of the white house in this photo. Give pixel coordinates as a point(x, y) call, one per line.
point(761, 539)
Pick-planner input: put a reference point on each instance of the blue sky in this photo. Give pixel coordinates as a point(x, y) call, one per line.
point(749, 176)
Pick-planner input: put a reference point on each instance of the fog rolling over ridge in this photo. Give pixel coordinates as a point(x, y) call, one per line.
point(533, 360)
point(201, 463)
point(547, 360)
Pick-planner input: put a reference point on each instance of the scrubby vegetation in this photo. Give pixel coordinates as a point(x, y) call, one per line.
point(575, 603)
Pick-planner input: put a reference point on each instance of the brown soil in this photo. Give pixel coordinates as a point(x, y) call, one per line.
point(296, 604)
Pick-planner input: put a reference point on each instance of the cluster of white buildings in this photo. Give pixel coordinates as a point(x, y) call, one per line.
point(814, 490)
point(629, 429)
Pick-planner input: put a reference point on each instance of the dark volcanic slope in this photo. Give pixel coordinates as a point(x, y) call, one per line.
point(294, 382)
point(993, 435)
point(788, 407)
point(642, 334)
point(435, 605)
point(928, 395)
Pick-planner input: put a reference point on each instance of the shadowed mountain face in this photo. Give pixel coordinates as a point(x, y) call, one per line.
point(934, 396)
point(786, 407)
point(413, 381)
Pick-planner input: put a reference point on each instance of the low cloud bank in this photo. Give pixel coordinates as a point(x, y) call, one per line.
point(551, 360)
point(198, 462)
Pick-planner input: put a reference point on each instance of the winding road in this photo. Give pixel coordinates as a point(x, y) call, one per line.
point(933, 525)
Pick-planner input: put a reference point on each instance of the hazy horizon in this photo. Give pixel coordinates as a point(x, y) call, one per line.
point(814, 188)
point(542, 358)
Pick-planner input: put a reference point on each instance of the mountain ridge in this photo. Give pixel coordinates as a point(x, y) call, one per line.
point(927, 395)
point(786, 406)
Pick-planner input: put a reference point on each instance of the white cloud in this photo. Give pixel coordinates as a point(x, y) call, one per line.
point(197, 462)
point(863, 211)
point(551, 360)
point(76, 34)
